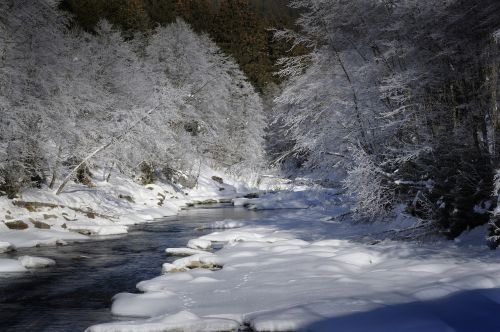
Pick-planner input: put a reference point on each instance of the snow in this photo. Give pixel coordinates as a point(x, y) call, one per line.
point(206, 260)
point(11, 266)
point(302, 268)
point(5, 247)
point(31, 262)
point(98, 230)
point(199, 244)
point(32, 237)
point(80, 212)
point(298, 271)
point(183, 321)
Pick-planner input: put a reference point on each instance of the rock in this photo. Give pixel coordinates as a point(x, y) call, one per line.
point(30, 207)
point(128, 198)
point(40, 224)
point(91, 215)
point(251, 195)
point(49, 216)
point(82, 231)
point(161, 198)
point(18, 224)
point(7, 217)
point(222, 189)
point(64, 225)
point(225, 200)
point(217, 179)
point(208, 201)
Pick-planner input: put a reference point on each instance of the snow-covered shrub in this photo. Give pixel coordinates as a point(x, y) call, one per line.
point(372, 189)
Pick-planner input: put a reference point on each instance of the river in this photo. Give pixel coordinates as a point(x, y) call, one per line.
point(77, 292)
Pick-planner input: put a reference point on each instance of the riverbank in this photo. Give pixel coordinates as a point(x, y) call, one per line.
point(109, 206)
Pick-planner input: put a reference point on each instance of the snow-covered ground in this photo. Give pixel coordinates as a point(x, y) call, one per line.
point(304, 270)
point(308, 267)
point(39, 217)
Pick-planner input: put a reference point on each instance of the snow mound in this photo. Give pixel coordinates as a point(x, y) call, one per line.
point(32, 262)
point(99, 230)
point(206, 260)
point(32, 237)
point(11, 266)
point(5, 247)
point(201, 244)
point(144, 305)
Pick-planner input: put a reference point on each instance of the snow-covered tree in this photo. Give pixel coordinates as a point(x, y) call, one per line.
point(393, 96)
point(70, 100)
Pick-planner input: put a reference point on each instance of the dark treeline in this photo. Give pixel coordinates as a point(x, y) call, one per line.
point(242, 28)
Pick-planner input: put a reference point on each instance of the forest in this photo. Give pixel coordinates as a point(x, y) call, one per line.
point(396, 101)
point(288, 165)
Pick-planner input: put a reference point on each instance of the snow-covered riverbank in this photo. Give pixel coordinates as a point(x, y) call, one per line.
point(302, 271)
point(39, 217)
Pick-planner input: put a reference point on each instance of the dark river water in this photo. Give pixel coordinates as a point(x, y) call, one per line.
point(77, 292)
